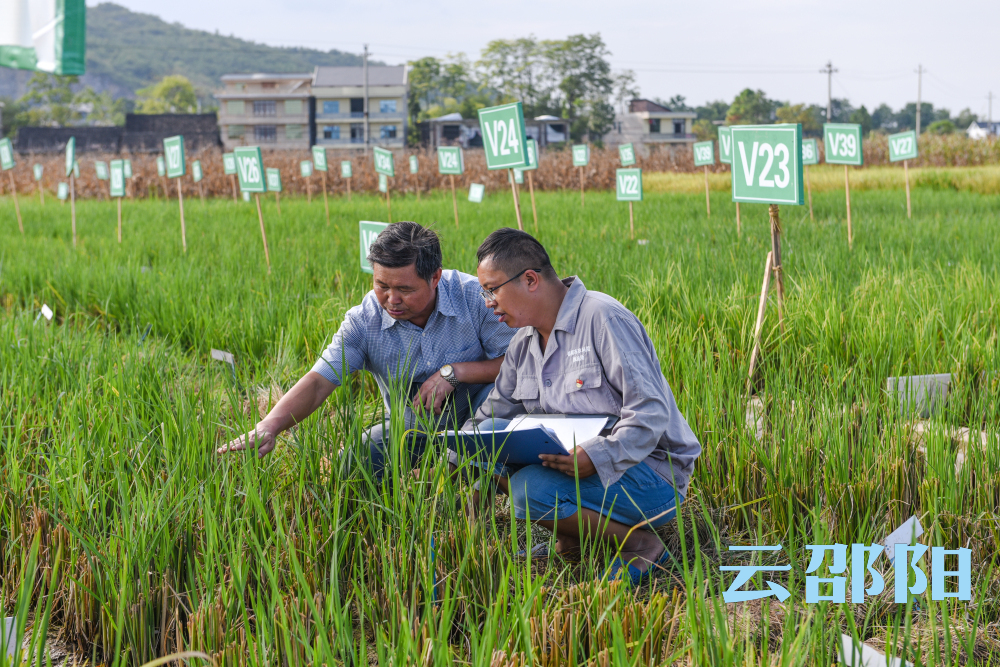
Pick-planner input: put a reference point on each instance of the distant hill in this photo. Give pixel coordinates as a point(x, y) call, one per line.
point(127, 50)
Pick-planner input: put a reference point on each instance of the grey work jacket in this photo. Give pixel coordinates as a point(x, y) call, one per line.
point(599, 360)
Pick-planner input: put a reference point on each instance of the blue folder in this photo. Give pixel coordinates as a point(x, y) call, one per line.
point(521, 447)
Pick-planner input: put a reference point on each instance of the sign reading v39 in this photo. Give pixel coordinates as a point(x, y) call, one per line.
point(767, 164)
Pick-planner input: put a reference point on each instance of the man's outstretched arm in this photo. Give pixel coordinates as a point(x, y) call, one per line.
point(300, 402)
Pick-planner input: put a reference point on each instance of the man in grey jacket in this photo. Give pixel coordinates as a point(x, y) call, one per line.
point(582, 352)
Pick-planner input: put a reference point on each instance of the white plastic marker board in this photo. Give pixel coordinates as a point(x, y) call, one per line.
point(414, 164)
point(127, 168)
point(368, 232)
point(6, 154)
point(476, 191)
point(246, 196)
point(70, 155)
point(725, 146)
point(306, 168)
point(346, 170)
point(903, 146)
point(581, 155)
point(117, 178)
point(229, 163)
point(161, 166)
point(626, 155)
point(518, 175)
point(76, 169)
point(101, 170)
point(843, 144)
point(383, 183)
point(38, 170)
point(450, 160)
point(384, 163)
point(62, 190)
point(273, 179)
point(531, 152)
point(196, 173)
point(319, 158)
point(767, 165)
point(704, 153)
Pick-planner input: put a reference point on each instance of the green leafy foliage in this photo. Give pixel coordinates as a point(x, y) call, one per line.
point(172, 94)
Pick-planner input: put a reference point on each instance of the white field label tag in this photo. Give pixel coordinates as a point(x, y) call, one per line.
point(906, 533)
point(46, 311)
point(863, 655)
point(222, 355)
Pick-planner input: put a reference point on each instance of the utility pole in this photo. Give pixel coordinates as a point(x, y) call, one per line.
point(829, 70)
point(366, 98)
point(989, 120)
point(920, 76)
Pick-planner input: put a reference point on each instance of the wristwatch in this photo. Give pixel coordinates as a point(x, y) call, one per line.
point(448, 373)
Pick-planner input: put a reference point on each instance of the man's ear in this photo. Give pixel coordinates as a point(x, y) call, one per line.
point(533, 280)
point(435, 278)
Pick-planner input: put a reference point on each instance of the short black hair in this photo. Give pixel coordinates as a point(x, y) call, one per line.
point(404, 243)
point(512, 251)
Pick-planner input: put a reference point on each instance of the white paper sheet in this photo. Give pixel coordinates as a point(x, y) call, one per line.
point(569, 429)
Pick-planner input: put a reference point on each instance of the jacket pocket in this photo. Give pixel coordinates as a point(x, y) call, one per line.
point(526, 389)
point(585, 392)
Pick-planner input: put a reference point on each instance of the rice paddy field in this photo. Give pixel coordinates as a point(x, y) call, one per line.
point(124, 537)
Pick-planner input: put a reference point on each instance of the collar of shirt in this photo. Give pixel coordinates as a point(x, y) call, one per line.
point(569, 312)
point(443, 304)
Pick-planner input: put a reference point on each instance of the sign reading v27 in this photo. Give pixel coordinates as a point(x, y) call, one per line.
point(628, 184)
point(843, 143)
point(503, 128)
point(903, 146)
point(767, 164)
point(249, 169)
point(173, 150)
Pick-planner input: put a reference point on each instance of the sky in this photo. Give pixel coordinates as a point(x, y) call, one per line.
point(703, 51)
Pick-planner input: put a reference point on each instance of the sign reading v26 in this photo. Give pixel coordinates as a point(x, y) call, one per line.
point(248, 169)
point(767, 164)
point(843, 143)
point(503, 127)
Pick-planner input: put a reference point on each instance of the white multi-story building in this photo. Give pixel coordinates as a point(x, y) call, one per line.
point(339, 96)
point(648, 123)
point(267, 110)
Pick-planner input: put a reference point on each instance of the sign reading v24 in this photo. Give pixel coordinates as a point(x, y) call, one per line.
point(843, 143)
point(903, 146)
point(767, 164)
point(628, 184)
point(249, 169)
point(450, 160)
point(383, 162)
point(503, 128)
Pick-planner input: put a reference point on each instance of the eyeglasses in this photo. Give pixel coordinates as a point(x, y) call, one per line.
point(491, 294)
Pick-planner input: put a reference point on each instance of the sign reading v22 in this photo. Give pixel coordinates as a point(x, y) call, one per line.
point(503, 128)
point(767, 164)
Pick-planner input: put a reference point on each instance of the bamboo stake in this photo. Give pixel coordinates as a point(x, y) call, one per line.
point(454, 200)
point(277, 200)
point(772, 211)
point(326, 204)
point(631, 222)
point(201, 191)
point(809, 189)
point(72, 204)
point(531, 189)
point(388, 199)
point(309, 188)
point(738, 231)
point(232, 181)
point(906, 175)
point(41, 192)
point(17, 207)
point(348, 197)
point(581, 187)
point(119, 220)
point(180, 201)
point(517, 205)
point(760, 318)
point(847, 192)
point(708, 202)
point(263, 234)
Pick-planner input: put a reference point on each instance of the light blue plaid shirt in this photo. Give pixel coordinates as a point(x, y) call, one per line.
point(461, 328)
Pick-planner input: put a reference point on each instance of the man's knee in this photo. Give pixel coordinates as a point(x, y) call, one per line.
point(529, 493)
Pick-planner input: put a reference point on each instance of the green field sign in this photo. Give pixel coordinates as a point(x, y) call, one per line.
point(127, 168)
point(101, 169)
point(70, 155)
point(383, 183)
point(76, 169)
point(581, 155)
point(384, 163)
point(229, 163)
point(246, 196)
point(346, 170)
point(518, 175)
point(6, 154)
point(196, 171)
point(273, 179)
point(319, 158)
point(63, 190)
point(414, 164)
point(704, 153)
point(843, 143)
point(39, 170)
point(306, 168)
point(117, 178)
point(476, 191)
point(161, 166)
point(628, 184)
point(626, 154)
point(725, 146)
point(903, 146)
point(810, 152)
point(369, 231)
point(531, 151)
point(173, 152)
point(767, 164)
point(250, 169)
point(450, 160)
point(503, 129)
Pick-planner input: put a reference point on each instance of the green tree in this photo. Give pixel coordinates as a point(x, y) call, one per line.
point(705, 129)
point(965, 119)
point(583, 83)
point(516, 69)
point(883, 118)
point(864, 119)
point(173, 94)
point(941, 127)
point(102, 108)
point(49, 101)
point(716, 110)
point(751, 107)
point(799, 113)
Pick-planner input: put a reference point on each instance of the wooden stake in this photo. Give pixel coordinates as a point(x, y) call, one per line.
point(41, 192)
point(17, 207)
point(277, 200)
point(708, 202)
point(119, 219)
point(906, 175)
point(180, 201)
point(581, 187)
point(809, 189)
point(847, 192)
point(232, 181)
point(738, 231)
point(760, 318)
point(531, 189)
point(517, 205)
point(309, 188)
point(454, 200)
point(348, 197)
point(388, 199)
point(263, 234)
point(772, 212)
point(326, 204)
point(201, 191)
point(631, 222)
point(72, 204)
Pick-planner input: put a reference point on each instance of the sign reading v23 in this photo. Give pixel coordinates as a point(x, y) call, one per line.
point(249, 169)
point(503, 128)
point(767, 164)
point(843, 143)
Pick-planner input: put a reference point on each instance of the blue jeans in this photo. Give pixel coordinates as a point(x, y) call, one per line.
point(639, 495)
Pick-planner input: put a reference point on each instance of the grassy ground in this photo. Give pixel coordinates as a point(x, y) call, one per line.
point(123, 531)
